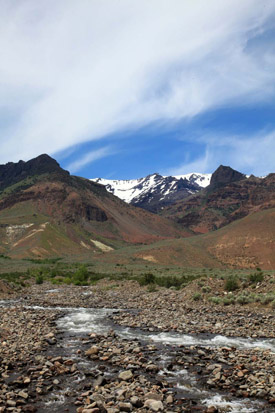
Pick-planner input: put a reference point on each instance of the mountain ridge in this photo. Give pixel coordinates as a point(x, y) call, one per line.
point(155, 191)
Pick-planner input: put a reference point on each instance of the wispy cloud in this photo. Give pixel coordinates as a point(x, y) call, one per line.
point(73, 71)
point(89, 158)
point(249, 155)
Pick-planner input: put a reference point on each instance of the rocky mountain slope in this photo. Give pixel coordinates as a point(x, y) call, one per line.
point(156, 191)
point(229, 197)
point(46, 211)
point(245, 243)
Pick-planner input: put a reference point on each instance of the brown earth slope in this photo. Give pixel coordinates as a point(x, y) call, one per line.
point(54, 213)
point(246, 243)
point(229, 197)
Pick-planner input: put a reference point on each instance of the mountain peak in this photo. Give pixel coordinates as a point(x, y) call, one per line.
point(11, 173)
point(225, 175)
point(155, 191)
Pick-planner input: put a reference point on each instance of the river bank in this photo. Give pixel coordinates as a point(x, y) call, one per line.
point(62, 351)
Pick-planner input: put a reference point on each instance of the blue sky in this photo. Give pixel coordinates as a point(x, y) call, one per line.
point(124, 89)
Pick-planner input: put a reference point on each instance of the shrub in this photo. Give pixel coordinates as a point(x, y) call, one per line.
point(256, 277)
point(39, 279)
point(81, 276)
point(228, 301)
point(196, 297)
point(147, 279)
point(267, 299)
point(169, 281)
point(231, 284)
point(242, 299)
point(215, 300)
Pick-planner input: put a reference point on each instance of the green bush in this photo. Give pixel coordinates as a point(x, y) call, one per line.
point(215, 300)
point(147, 279)
point(231, 283)
point(228, 301)
point(169, 281)
point(39, 278)
point(256, 277)
point(81, 276)
point(197, 297)
point(267, 299)
point(242, 299)
point(206, 289)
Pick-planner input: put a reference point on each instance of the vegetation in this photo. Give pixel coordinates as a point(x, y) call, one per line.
point(197, 297)
point(5, 257)
point(257, 276)
point(39, 279)
point(233, 287)
point(231, 283)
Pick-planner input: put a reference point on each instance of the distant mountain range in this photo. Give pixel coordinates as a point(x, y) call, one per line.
point(154, 192)
point(223, 219)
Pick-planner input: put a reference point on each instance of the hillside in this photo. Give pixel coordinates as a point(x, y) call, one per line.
point(229, 197)
point(46, 211)
point(246, 243)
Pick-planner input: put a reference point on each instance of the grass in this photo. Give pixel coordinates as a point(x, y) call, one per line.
point(88, 271)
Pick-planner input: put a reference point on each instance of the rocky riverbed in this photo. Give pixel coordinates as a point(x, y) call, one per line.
point(117, 347)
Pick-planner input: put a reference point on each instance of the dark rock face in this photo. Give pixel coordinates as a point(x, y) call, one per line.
point(166, 191)
point(222, 203)
point(225, 175)
point(11, 173)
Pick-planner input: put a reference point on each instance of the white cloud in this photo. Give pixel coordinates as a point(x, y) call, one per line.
point(76, 71)
point(254, 155)
point(89, 158)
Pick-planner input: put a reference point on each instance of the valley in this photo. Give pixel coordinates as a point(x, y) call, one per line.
point(109, 307)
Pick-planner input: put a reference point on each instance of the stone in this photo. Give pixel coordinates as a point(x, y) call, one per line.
point(125, 375)
point(23, 394)
point(154, 405)
point(154, 396)
point(125, 407)
point(169, 399)
point(136, 402)
point(94, 350)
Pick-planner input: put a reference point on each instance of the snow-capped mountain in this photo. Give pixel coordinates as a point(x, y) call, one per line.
point(156, 191)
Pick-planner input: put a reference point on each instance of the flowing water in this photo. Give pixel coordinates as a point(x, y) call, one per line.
point(76, 322)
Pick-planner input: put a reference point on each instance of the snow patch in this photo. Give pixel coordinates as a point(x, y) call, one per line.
point(136, 189)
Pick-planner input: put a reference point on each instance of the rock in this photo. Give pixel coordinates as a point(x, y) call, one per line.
point(136, 402)
point(154, 405)
point(11, 403)
point(94, 350)
point(125, 375)
point(169, 399)
point(152, 367)
point(100, 381)
point(23, 394)
point(125, 407)
point(154, 396)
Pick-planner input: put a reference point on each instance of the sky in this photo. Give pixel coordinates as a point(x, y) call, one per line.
point(120, 89)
